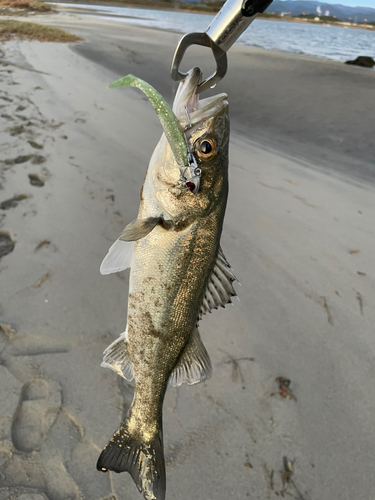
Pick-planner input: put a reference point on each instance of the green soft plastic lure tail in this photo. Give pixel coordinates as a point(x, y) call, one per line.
point(171, 126)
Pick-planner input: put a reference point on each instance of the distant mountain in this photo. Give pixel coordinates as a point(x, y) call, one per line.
point(296, 7)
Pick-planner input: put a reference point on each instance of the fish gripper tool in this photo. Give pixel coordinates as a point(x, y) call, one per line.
point(228, 25)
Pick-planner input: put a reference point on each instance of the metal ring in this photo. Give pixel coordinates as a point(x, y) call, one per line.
point(204, 40)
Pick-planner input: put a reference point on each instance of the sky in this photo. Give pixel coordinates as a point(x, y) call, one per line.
point(352, 3)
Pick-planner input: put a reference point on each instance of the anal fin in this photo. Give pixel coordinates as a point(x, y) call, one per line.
point(116, 357)
point(194, 365)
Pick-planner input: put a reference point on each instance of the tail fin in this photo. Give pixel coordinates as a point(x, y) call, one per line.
point(144, 461)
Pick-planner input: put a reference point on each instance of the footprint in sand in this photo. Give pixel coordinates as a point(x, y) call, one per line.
point(17, 130)
point(43, 473)
point(13, 202)
point(35, 145)
point(7, 117)
point(36, 180)
point(19, 159)
point(35, 159)
point(38, 159)
point(7, 243)
point(47, 450)
point(39, 406)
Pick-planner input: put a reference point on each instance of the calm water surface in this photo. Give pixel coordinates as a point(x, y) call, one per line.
point(330, 42)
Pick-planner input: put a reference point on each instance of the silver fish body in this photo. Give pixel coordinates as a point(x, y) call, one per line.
point(178, 272)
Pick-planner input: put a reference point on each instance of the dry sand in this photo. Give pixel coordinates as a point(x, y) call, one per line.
point(299, 233)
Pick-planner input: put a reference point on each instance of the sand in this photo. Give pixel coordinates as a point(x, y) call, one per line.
point(299, 232)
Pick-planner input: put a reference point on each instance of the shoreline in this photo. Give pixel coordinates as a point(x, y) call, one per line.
point(88, 12)
point(267, 17)
point(322, 114)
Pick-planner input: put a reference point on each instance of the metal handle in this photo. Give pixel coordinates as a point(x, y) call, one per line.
point(233, 19)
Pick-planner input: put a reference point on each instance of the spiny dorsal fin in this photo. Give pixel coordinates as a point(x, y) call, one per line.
point(194, 365)
point(139, 228)
point(220, 286)
point(116, 357)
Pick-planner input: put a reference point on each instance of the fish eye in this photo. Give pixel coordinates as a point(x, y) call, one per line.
point(206, 149)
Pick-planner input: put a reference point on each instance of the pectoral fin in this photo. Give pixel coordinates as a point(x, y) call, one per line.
point(194, 365)
point(118, 258)
point(139, 228)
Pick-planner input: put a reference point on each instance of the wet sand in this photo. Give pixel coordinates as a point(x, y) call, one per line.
point(299, 233)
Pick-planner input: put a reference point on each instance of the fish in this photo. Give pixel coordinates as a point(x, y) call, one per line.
point(178, 273)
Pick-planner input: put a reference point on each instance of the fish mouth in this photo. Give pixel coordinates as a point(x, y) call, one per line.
point(187, 107)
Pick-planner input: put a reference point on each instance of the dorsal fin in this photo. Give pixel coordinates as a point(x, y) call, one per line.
point(220, 289)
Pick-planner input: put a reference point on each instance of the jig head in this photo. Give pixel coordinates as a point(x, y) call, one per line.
point(190, 175)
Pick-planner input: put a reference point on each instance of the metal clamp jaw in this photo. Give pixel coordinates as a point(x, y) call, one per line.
point(204, 40)
point(228, 25)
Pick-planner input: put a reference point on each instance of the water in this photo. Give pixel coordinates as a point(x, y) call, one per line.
point(329, 42)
